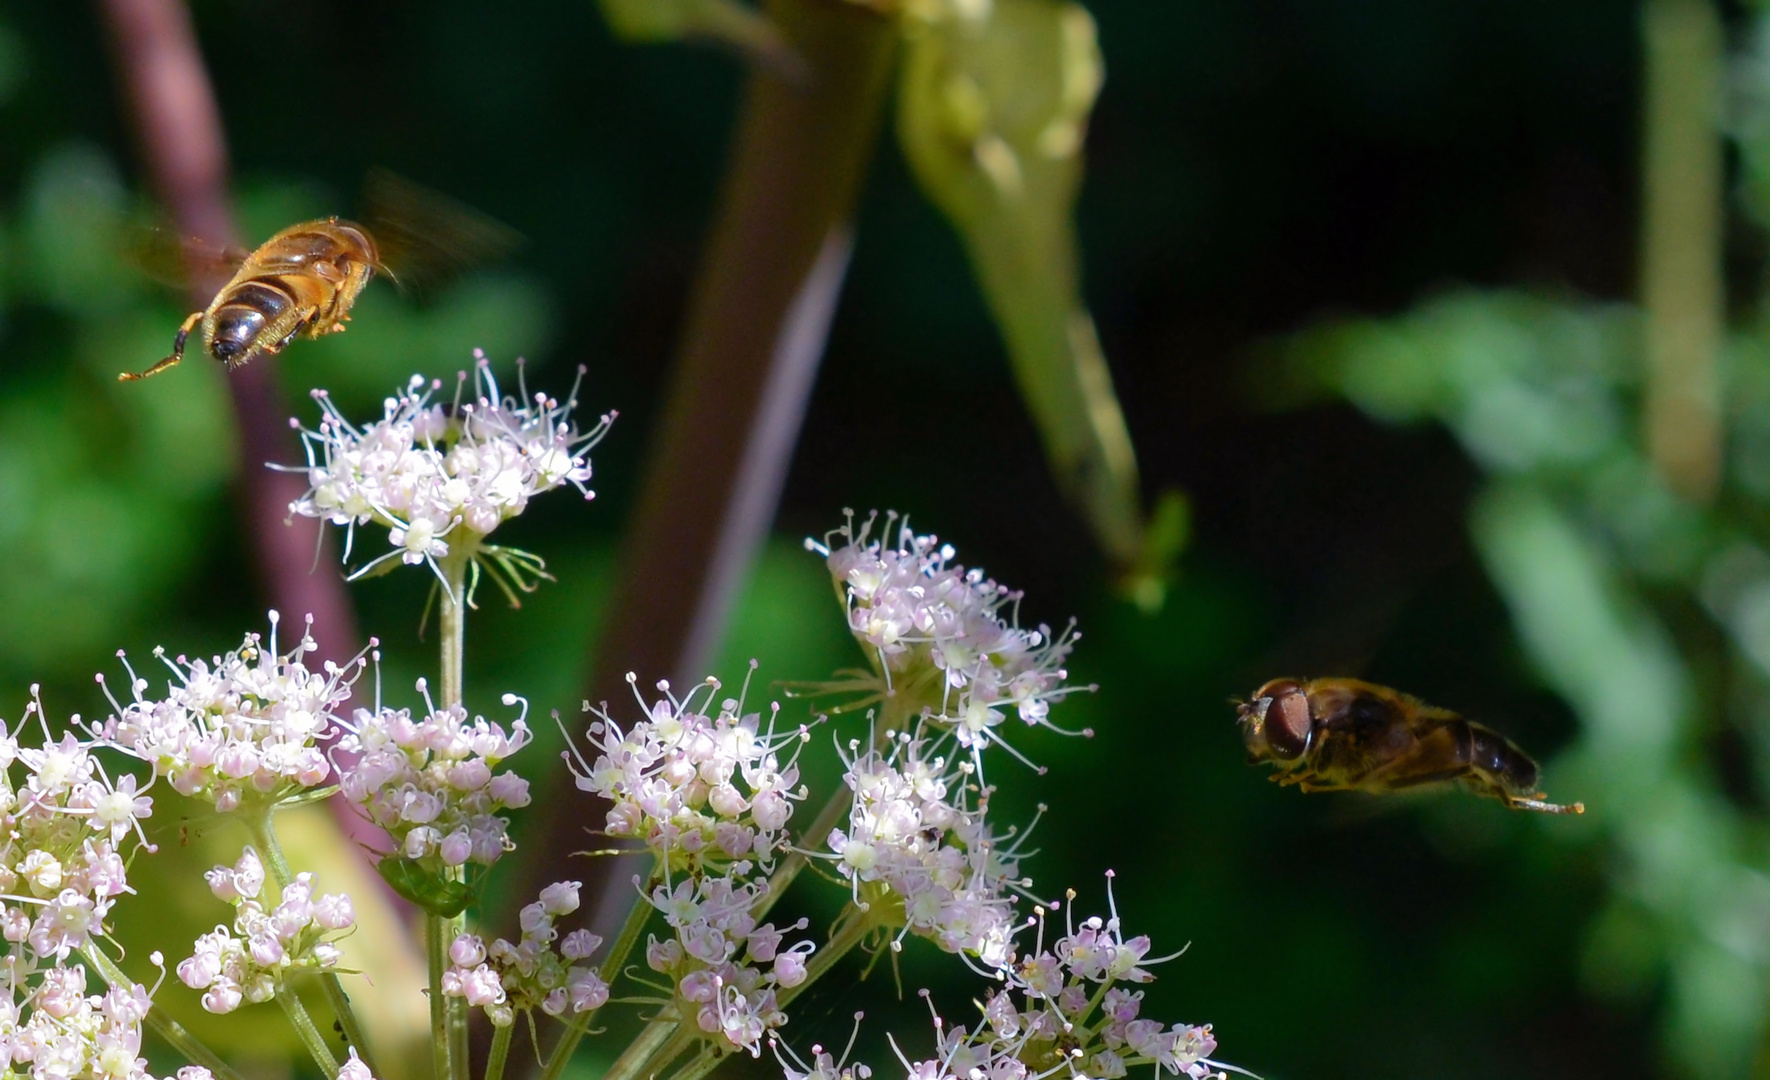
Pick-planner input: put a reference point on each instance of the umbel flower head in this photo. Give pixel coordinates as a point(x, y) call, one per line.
point(238, 730)
point(539, 972)
point(269, 941)
point(430, 781)
point(699, 791)
point(943, 641)
point(920, 856)
point(1063, 1010)
point(441, 477)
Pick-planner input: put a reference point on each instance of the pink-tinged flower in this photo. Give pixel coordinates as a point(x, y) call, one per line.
point(239, 729)
point(436, 475)
point(431, 782)
point(944, 642)
point(699, 787)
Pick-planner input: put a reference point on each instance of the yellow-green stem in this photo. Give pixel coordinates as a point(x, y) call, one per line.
point(611, 969)
point(309, 1032)
point(500, 1052)
point(437, 960)
point(452, 610)
point(631, 1064)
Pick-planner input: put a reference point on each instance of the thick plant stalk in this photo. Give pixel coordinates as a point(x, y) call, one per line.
point(1681, 237)
point(754, 333)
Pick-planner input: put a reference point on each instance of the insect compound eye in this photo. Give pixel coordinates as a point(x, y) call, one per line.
point(1288, 725)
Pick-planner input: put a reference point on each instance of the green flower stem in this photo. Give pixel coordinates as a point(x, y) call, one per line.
point(500, 1051)
point(436, 954)
point(169, 1029)
point(451, 1012)
point(705, 1062)
point(264, 838)
point(310, 1034)
point(453, 612)
point(632, 1063)
point(611, 969)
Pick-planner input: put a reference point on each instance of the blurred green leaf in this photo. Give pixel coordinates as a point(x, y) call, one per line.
point(728, 22)
point(992, 109)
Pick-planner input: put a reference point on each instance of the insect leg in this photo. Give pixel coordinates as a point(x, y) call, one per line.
point(184, 332)
point(1517, 803)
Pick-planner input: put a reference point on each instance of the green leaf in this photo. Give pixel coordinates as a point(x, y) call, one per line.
point(426, 888)
point(992, 109)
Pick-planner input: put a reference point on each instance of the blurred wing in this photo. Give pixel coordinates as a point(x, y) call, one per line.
point(427, 239)
point(161, 254)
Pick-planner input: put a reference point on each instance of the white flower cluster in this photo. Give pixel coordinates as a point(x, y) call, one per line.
point(531, 974)
point(936, 635)
point(426, 469)
point(1048, 1008)
point(431, 783)
point(914, 839)
point(61, 860)
point(62, 868)
point(240, 729)
point(727, 971)
point(698, 791)
point(296, 935)
point(56, 1031)
point(1059, 1013)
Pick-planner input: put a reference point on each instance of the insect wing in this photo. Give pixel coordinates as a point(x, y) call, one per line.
point(160, 253)
point(427, 239)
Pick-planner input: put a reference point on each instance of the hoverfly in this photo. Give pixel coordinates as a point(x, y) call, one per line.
point(1349, 735)
point(303, 280)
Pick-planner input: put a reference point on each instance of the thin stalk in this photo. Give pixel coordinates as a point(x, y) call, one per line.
point(451, 1012)
point(169, 1029)
point(453, 612)
point(631, 1064)
point(1682, 225)
point(797, 860)
point(611, 968)
point(264, 838)
point(649, 1041)
point(500, 1052)
point(437, 958)
point(704, 1063)
point(309, 1032)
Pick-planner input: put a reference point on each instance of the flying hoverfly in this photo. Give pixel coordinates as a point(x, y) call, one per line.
point(303, 281)
point(1350, 735)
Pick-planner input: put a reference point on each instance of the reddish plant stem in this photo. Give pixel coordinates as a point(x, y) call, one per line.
point(756, 326)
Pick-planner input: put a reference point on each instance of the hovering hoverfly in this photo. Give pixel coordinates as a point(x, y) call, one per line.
point(302, 281)
point(1349, 735)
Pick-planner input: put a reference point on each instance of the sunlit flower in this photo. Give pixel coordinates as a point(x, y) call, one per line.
point(267, 944)
point(943, 641)
point(431, 782)
point(436, 475)
point(240, 729)
point(536, 972)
